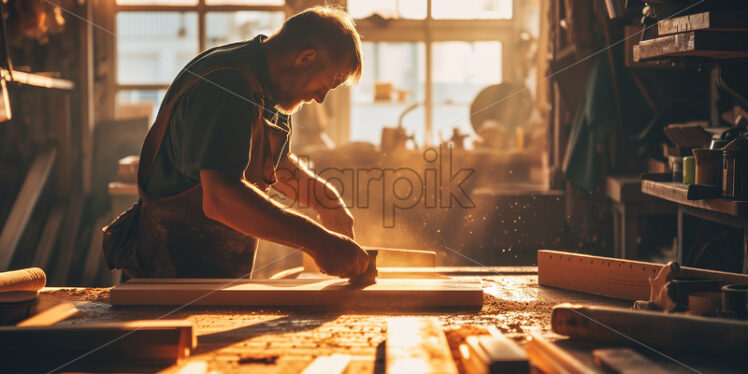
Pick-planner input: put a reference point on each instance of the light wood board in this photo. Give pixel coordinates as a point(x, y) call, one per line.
point(386, 293)
point(417, 345)
point(612, 277)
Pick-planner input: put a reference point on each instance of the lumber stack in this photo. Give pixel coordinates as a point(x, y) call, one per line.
point(712, 34)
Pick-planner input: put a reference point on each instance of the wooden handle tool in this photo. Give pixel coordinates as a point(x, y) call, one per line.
point(31, 279)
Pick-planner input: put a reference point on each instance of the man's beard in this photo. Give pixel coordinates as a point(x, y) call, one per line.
point(289, 107)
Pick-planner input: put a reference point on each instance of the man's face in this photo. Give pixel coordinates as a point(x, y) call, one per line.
point(307, 82)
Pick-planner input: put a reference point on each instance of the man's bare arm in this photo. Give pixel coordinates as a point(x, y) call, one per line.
point(302, 185)
point(245, 208)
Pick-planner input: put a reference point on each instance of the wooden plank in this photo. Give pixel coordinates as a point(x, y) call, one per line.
point(611, 277)
point(678, 193)
point(93, 258)
point(50, 316)
point(24, 205)
point(49, 237)
point(96, 346)
point(66, 250)
point(493, 354)
point(385, 294)
point(550, 358)
point(334, 364)
point(625, 361)
point(670, 332)
point(38, 80)
point(712, 21)
point(712, 44)
point(417, 345)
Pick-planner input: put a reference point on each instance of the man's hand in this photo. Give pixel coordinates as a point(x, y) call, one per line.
point(341, 257)
point(338, 220)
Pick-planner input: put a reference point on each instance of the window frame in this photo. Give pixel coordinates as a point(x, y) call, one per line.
point(430, 31)
point(202, 9)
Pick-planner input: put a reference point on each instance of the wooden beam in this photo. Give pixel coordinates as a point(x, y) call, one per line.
point(334, 364)
point(611, 277)
point(93, 258)
point(50, 316)
point(713, 21)
point(37, 80)
point(66, 250)
point(24, 205)
point(335, 293)
point(417, 345)
point(115, 346)
point(49, 237)
point(711, 44)
point(670, 332)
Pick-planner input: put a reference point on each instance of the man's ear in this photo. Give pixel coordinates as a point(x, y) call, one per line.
point(306, 57)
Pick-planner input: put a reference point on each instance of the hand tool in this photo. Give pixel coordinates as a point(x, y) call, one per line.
point(370, 275)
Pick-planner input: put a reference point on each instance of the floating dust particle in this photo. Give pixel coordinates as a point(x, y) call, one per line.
point(256, 359)
point(457, 336)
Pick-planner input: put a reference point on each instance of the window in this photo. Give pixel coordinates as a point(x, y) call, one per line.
point(432, 54)
point(156, 38)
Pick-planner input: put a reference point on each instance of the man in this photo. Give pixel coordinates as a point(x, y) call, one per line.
point(222, 132)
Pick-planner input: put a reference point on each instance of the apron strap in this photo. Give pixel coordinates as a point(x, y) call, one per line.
point(155, 136)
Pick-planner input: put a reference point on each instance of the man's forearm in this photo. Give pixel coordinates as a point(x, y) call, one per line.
point(245, 208)
point(306, 188)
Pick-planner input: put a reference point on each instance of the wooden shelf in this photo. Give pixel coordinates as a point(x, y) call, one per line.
point(37, 80)
point(678, 193)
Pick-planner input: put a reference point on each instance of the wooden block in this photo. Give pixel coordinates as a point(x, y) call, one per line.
point(385, 294)
point(417, 346)
point(550, 358)
point(611, 277)
point(625, 361)
point(492, 354)
point(712, 21)
point(50, 316)
point(335, 364)
point(713, 44)
point(115, 345)
point(671, 332)
point(24, 205)
point(49, 237)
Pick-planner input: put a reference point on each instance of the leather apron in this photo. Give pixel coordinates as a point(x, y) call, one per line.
point(175, 238)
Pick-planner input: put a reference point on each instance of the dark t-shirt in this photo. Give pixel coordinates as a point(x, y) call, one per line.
point(211, 125)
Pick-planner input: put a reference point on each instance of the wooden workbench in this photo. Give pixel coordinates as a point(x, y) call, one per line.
point(277, 341)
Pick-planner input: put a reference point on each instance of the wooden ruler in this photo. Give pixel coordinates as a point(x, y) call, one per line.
point(612, 277)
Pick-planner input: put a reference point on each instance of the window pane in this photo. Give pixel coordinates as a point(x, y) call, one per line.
point(409, 9)
point(245, 2)
point(471, 9)
point(156, 2)
point(152, 47)
point(461, 70)
point(397, 68)
point(227, 27)
point(138, 103)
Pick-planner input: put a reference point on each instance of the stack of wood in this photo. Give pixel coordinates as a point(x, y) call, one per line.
point(712, 34)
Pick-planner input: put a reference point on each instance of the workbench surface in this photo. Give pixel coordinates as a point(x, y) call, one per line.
point(275, 341)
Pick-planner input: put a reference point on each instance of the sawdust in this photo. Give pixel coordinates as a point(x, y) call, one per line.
point(81, 294)
point(493, 305)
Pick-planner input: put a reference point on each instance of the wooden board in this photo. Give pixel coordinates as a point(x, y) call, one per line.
point(417, 345)
point(713, 21)
point(92, 346)
point(625, 361)
point(49, 237)
point(624, 279)
point(334, 364)
point(23, 207)
point(550, 358)
point(493, 354)
point(711, 44)
point(386, 293)
point(678, 193)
